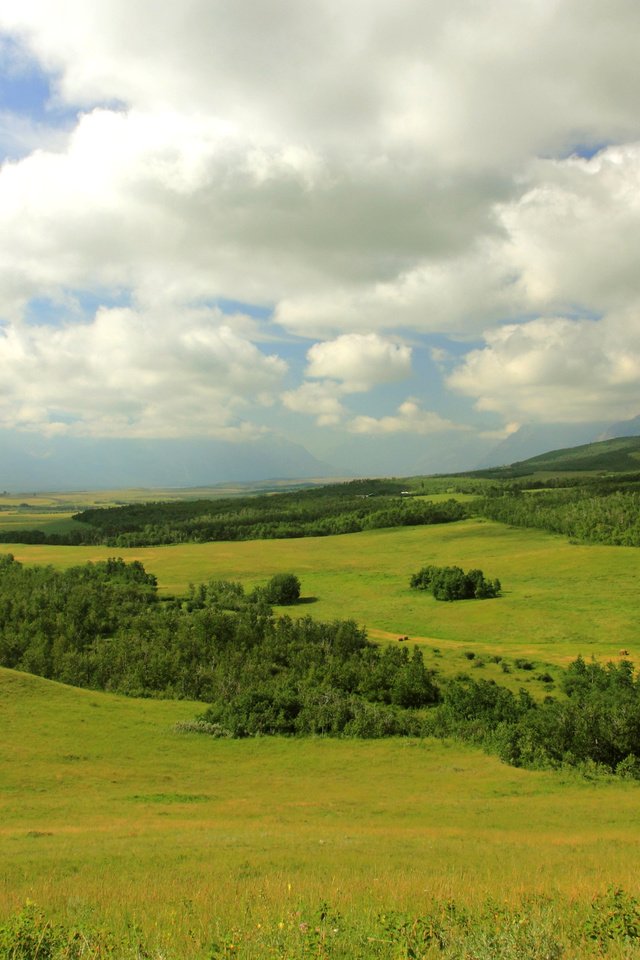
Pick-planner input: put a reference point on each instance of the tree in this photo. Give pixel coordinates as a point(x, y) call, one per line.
point(282, 589)
point(452, 583)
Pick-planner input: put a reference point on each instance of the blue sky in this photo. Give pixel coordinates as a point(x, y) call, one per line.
point(353, 226)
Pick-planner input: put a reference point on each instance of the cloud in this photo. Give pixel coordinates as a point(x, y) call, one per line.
point(319, 400)
point(556, 369)
point(410, 418)
point(135, 373)
point(371, 172)
point(499, 79)
point(572, 234)
point(359, 361)
point(352, 363)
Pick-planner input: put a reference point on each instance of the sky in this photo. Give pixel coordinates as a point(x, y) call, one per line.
point(388, 222)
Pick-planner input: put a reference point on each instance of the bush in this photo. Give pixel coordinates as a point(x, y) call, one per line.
point(523, 664)
point(452, 583)
point(614, 916)
point(283, 589)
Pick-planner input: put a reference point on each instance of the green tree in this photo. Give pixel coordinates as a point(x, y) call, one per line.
point(282, 589)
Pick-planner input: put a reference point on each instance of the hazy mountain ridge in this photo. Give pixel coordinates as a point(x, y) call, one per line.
point(34, 463)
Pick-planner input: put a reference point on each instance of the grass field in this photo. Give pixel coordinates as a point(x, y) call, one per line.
point(109, 816)
point(560, 599)
point(107, 812)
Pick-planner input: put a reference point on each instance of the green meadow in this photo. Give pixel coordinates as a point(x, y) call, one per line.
point(109, 815)
point(559, 599)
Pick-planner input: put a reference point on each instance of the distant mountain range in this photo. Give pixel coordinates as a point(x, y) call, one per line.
point(32, 463)
point(29, 462)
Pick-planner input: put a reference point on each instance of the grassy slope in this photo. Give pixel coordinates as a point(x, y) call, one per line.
point(619, 455)
point(103, 807)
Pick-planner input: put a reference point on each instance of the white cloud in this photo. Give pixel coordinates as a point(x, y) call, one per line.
point(410, 418)
point(556, 369)
point(572, 235)
point(319, 400)
point(134, 373)
point(362, 167)
point(352, 363)
point(359, 361)
point(500, 79)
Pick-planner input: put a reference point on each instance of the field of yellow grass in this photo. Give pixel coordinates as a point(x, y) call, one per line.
point(106, 810)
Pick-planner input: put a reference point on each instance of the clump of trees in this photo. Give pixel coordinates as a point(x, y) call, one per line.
point(452, 583)
point(594, 726)
point(103, 626)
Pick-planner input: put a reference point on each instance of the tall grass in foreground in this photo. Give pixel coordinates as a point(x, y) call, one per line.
point(537, 929)
point(138, 841)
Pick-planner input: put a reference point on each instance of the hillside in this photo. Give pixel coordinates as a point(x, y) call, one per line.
point(620, 455)
point(111, 818)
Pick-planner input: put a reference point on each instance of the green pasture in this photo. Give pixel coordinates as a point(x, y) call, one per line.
point(107, 812)
point(58, 521)
point(559, 599)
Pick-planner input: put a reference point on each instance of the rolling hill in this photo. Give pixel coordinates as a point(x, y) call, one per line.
point(619, 455)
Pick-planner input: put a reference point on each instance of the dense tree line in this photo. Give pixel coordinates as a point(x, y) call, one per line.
point(452, 583)
point(103, 626)
point(595, 725)
point(303, 514)
point(590, 514)
point(80, 537)
point(326, 511)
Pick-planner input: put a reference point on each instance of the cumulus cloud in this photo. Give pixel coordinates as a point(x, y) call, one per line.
point(556, 369)
point(359, 361)
point(499, 79)
point(319, 400)
point(134, 373)
point(409, 418)
point(352, 363)
point(572, 234)
point(368, 171)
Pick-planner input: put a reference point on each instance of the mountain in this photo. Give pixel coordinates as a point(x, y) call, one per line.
point(404, 455)
point(625, 428)
point(29, 462)
point(535, 438)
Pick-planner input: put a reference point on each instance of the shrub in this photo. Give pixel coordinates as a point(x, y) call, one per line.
point(523, 664)
point(614, 916)
point(283, 589)
point(452, 583)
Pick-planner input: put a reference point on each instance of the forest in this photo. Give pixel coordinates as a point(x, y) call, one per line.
point(591, 514)
point(587, 508)
point(338, 508)
point(103, 626)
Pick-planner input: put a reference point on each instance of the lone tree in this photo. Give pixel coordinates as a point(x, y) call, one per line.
point(282, 589)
